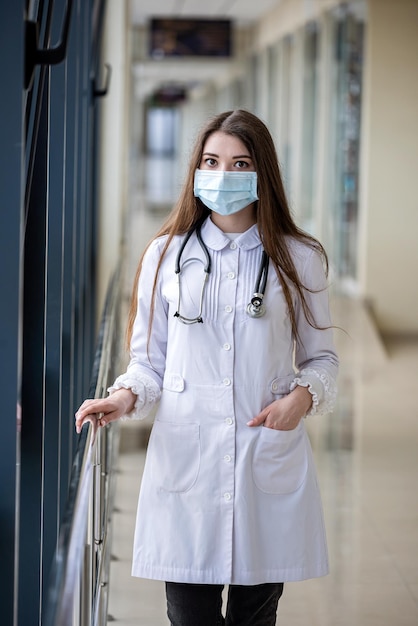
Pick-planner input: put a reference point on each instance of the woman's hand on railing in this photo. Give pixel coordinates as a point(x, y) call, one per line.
point(102, 411)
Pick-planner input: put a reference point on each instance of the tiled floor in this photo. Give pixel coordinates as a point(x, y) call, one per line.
point(367, 459)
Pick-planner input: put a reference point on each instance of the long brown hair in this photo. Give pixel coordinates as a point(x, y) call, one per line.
point(274, 219)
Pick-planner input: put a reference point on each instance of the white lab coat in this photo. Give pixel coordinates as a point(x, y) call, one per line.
point(221, 502)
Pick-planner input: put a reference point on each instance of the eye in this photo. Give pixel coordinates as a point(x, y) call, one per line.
point(241, 165)
point(210, 162)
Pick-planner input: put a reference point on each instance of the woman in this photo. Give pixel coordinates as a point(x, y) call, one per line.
point(236, 346)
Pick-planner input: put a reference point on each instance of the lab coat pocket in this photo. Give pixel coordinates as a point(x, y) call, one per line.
point(280, 460)
point(175, 455)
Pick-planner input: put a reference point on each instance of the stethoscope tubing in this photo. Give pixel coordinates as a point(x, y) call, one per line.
point(255, 307)
point(261, 282)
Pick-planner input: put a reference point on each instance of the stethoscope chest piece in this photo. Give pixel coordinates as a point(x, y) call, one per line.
point(256, 308)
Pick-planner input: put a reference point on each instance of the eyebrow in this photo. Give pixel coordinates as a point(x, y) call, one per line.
point(238, 156)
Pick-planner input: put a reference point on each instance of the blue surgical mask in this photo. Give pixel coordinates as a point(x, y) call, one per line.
point(225, 192)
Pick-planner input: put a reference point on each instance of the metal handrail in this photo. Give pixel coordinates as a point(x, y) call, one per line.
point(78, 591)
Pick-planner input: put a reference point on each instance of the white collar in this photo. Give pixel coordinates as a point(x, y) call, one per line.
point(216, 239)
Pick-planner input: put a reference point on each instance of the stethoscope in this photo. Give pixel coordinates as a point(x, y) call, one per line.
point(255, 308)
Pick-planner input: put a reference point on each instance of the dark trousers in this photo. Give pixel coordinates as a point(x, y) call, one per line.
point(201, 605)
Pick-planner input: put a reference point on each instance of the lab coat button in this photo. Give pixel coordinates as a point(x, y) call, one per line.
point(227, 458)
point(231, 275)
point(227, 346)
point(228, 308)
point(227, 381)
point(227, 496)
point(233, 245)
point(229, 421)
point(274, 387)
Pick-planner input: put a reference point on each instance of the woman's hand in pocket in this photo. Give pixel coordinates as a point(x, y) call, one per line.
point(285, 413)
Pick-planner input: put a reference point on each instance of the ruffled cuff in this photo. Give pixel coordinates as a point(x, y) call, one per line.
point(144, 387)
point(321, 386)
